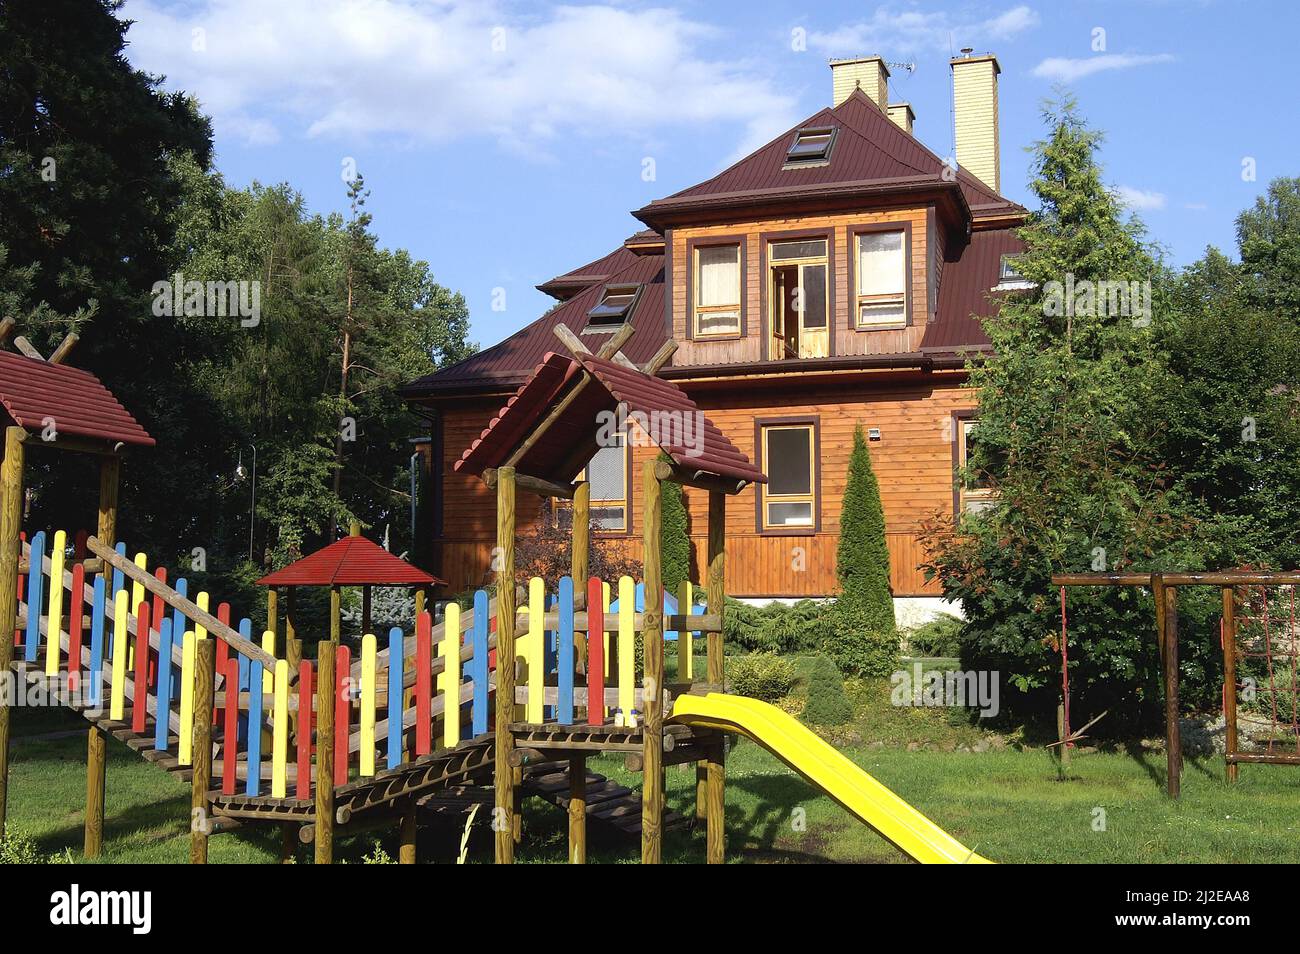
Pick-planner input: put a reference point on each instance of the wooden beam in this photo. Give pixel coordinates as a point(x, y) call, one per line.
point(1173, 738)
point(1230, 679)
point(204, 679)
point(652, 797)
point(7, 326)
point(715, 766)
point(11, 513)
point(27, 348)
point(666, 351)
point(614, 344)
point(543, 488)
point(503, 820)
point(545, 425)
point(406, 850)
point(325, 682)
point(110, 475)
point(699, 479)
point(65, 348)
point(176, 601)
point(570, 340)
point(578, 810)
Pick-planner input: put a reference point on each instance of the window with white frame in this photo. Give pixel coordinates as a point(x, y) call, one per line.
point(975, 492)
point(717, 290)
point(882, 279)
point(789, 498)
point(607, 474)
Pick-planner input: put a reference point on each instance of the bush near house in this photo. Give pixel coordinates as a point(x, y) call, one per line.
point(763, 676)
point(777, 627)
point(674, 534)
point(828, 704)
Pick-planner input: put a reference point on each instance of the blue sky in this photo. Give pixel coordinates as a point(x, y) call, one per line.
point(505, 143)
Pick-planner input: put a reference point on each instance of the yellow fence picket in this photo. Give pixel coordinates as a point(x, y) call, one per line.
point(626, 649)
point(368, 677)
point(117, 707)
point(189, 647)
point(449, 678)
point(685, 637)
point(268, 679)
point(536, 658)
point(55, 623)
point(280, 738)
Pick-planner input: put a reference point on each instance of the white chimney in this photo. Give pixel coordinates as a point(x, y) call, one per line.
point(975, 115)
point(867, 73)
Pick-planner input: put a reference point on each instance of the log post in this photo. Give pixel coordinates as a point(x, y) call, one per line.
point(652, 781)
point(336, 615)
point(1173, 741)
point(11, 516)
point(273, 615)
point(110, 473)
point(1230, 679)
point(503, 820)
point(715, 767)
point(581, 533)
point(578, 810)
point(406, 852)
point(326, 691)
point(205, 667)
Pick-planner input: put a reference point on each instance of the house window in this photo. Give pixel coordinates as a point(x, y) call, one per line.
point(811, 146)
point(798, 298)
point(789, 499)
point(882, 279)
point(607, 474)
point(614, 307)
point(1009, 277)
point(975, 494)
point(717, 290)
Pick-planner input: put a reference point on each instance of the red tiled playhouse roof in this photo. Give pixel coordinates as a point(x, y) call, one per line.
point(32, 391)
point(563, 450)
point(352, 561)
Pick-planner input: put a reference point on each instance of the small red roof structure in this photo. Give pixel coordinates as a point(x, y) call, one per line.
point(352, 561)
point(32, 392)
point(565, 447)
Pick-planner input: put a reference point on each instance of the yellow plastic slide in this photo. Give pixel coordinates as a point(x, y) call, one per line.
point(819, 762)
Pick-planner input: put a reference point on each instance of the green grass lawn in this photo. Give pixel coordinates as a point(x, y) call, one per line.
point(1006, 804)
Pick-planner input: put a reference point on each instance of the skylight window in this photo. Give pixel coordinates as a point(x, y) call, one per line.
point(614, 307)
point(1009, 277)
point(811, 146)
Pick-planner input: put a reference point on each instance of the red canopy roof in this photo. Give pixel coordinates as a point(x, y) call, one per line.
point(352, 561)
point(75, 400)
point(689, 438)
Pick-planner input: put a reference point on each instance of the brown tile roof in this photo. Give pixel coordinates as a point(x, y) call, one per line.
point(870, 154)
point(505, 363)
point(564, 287)
point(966, 293)
point(32, 391)
point(569, 443)
point(352, 561)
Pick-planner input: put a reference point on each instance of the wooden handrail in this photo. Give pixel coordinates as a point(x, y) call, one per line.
point(176, 601)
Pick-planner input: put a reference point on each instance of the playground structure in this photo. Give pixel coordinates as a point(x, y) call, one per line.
point(428, 719)
point(1256, 631)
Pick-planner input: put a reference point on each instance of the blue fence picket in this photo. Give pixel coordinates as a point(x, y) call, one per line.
point(182, 587)
point(479, 663)
point(564, 658)
point(119, 578)
point(35, 597)
point(395, 653)
point(254, 747)
point(97, 642)
point(164, 685)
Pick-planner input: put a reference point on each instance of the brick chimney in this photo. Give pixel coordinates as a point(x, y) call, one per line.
point(867, 73)
point(902, 115)
point(975, 116)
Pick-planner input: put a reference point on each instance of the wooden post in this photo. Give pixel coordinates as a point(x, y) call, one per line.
point(503, 820)
point(336, 615)
point(578, 810)
point(11, 516)
point(581, 532)
point(204, 681)
point(420, 601)
point(325, 693)
point(1173, 741)
point(652, 797)
point(273, 612)
point(406, 852)
point(1063, 750)
point(110, 473)
point(1230, 679)
point(715, 809)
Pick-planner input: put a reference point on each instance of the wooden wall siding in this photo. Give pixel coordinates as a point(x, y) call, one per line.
point(846, 339)
point(913, 462)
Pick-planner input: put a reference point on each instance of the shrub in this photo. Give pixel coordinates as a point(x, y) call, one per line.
point(938, 637)
point(857, 648)
point(762, 676)
point(777, 627)
point(827, 702)
point(19, 848)
point(674, 535)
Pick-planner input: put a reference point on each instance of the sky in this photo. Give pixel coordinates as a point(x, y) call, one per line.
point(506, 143)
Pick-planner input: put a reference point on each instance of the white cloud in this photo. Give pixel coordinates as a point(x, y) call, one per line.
point(449, 70)
point(1140, 199)
point(1067, 70)
point(904, 32)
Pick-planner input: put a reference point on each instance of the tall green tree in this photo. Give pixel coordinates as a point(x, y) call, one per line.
point(674, 535)
point(865, 638)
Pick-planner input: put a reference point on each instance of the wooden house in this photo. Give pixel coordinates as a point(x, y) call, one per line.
point(835, 277)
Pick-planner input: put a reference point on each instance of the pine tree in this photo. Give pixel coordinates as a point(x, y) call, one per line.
point(865, 638)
